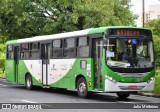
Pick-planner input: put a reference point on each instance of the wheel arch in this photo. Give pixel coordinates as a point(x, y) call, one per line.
point(77, 78)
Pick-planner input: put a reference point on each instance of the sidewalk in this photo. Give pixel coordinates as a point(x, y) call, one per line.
point(149, 94)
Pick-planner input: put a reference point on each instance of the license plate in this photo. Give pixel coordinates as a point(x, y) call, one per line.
point(132, 87)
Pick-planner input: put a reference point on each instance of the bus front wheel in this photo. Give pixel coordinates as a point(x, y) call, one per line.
point(123, 95)
point(82, 88)
point(29, 83)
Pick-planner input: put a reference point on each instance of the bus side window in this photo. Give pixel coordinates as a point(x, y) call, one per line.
point(24, 51)
point(69, 48)
point(42, 52)
point(34, 50)
point(10, 52)
point(57, 48)
point(82, 47)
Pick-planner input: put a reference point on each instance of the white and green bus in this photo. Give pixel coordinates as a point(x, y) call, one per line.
point(117, 59)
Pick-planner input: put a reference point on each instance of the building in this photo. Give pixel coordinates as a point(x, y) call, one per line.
point(153, 13)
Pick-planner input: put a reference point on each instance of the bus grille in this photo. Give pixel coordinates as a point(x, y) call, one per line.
point(133, 74)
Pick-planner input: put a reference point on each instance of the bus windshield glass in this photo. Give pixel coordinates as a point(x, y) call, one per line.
point(129, 53)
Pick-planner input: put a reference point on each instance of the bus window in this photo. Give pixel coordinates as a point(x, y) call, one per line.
point(69, 48)
point(132, 53)
point(9, 48)
point(24, 46)
point(57, 48)
point(24, 53)
point(10, 52)
point(83, 47)
point(10, 55)
point(34, 53)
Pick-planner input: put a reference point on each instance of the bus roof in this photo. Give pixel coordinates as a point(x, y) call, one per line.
point(68, 34)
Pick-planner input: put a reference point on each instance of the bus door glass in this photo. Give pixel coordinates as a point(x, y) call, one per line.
point(45, 54)
point(97, 45)
point(16, 58)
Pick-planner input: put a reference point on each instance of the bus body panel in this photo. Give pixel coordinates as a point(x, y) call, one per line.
point(119, 86)
point(10, 70)
point(63, 72)
point(34, 67)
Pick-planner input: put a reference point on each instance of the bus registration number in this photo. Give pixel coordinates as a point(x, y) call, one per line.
point(132, 87)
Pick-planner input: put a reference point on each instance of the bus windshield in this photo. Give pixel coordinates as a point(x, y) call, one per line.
point(129, 53)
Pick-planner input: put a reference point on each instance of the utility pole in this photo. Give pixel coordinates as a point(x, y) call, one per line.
point(143, 13)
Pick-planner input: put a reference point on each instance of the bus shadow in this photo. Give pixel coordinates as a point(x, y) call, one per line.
point(102, 97)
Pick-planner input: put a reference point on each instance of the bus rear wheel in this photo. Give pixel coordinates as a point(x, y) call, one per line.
point(123, 95)
point(29, 83)
point(82, 88)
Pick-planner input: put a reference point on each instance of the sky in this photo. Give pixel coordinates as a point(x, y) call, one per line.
point(137, 6)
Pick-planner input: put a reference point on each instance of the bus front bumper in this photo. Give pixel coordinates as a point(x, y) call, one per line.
point(111, 86)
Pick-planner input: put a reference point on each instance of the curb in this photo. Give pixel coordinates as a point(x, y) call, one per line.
point(148, 94)
point(2, 78)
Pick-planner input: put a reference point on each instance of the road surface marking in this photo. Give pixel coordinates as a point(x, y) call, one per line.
point(28, 101)
point(124, 102)
point(3, 85)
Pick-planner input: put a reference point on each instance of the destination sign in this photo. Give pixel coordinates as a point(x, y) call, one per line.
point(130, 32)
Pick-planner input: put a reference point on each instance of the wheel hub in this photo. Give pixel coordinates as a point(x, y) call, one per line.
point(28, 82)
point(82, 87)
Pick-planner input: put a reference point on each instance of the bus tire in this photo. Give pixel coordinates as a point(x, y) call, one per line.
point(29, 83)
point(82, 88)
point(123, 95)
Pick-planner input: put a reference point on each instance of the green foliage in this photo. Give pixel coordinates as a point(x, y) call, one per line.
point(157, 49)
point(155, 26)
point(2, 61)
point(2, 57)
point(2, 74)
point(157, 83)
point(27, 18)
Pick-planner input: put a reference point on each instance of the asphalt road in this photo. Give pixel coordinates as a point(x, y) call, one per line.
point(14, 93)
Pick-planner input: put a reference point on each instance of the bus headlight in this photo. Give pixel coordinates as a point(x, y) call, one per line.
point(110, 78)
point(151, 79)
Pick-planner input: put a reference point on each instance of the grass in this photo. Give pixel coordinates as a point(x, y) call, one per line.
point(157, 83)
point(2, 74)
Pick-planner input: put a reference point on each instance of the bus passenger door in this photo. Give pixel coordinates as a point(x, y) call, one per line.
point(45, 54)
point(16, 58)
point(97, 45)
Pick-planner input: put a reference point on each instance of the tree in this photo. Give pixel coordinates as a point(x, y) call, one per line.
point(27, 18)
point(2, 57)
point(157, 49)
point(154, 25)
point(2, 61)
